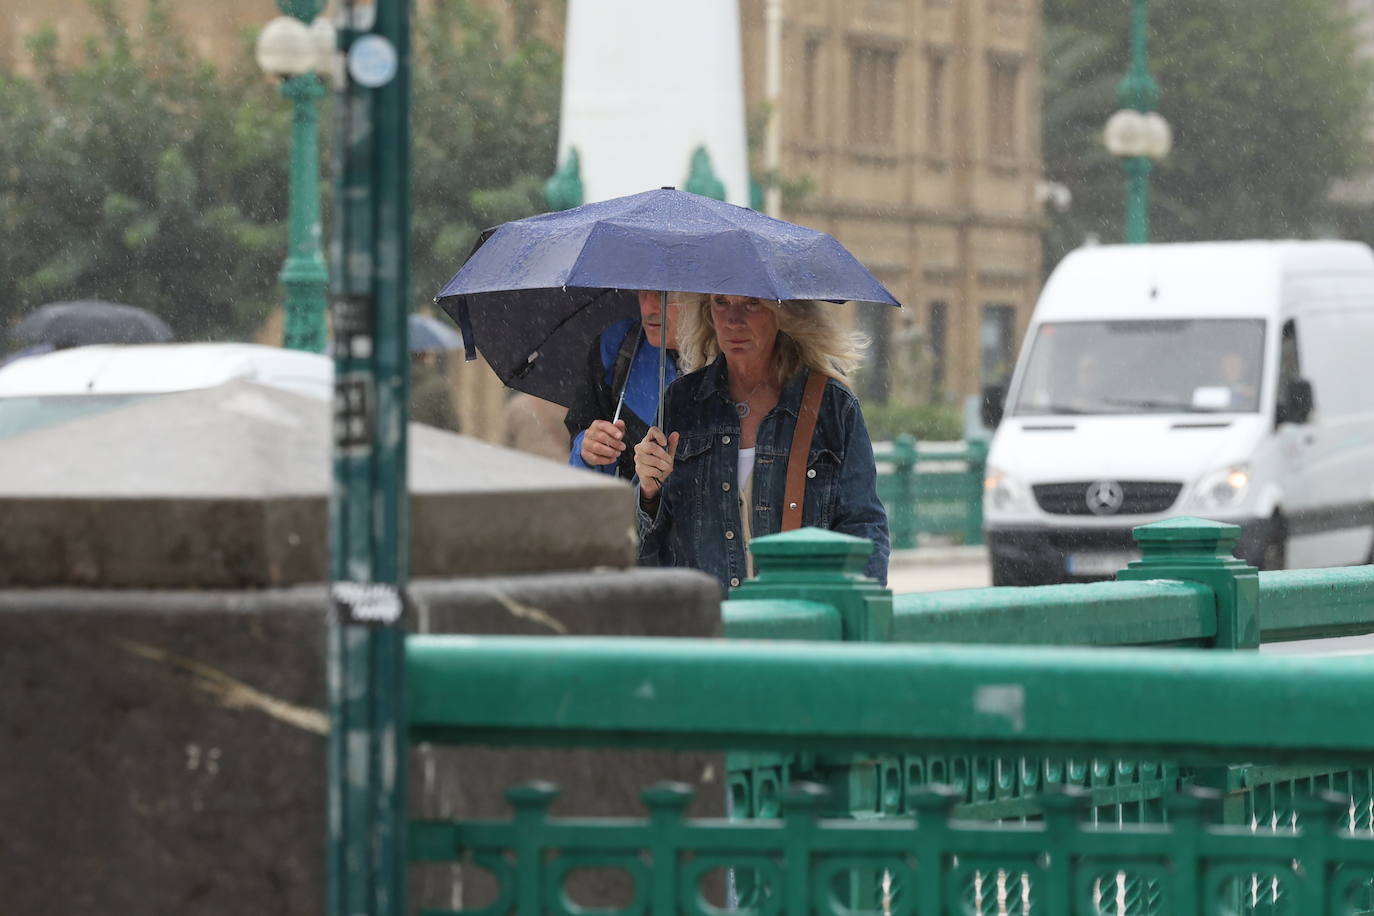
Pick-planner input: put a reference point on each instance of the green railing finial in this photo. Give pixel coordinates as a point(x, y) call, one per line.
point(702, 177)
point(1197, 550)
point(825, 567)
point(564, 190)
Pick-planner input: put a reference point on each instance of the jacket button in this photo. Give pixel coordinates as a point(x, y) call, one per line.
point(724, 440)
point(729, 535)
point(811, 472)
point(734, 582)
point(791, 505)
point(725, 487)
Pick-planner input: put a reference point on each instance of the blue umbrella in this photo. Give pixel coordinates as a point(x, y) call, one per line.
point(537, 291)
point(430, 335)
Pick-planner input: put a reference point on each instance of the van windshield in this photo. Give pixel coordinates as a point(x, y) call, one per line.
point(1152, 366)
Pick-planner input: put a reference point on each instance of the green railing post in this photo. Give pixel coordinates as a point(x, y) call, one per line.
point(976, 451)
point(816, 567)
point(825, 567)
point(1198, 550)
point(899, 491)
point(902, 522)
point(369, 526)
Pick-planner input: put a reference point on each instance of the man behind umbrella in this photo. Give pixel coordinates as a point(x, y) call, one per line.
point(622, 364)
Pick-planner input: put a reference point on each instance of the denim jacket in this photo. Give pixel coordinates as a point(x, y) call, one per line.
point(697, 522)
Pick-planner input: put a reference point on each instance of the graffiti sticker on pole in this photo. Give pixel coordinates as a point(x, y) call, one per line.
point(373, 603)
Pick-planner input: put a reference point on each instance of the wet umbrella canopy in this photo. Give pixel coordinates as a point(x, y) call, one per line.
point(537, 291)
point(76, 324)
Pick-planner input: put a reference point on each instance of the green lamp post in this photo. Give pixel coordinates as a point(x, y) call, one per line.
point(292, 48)
point(1137, 134)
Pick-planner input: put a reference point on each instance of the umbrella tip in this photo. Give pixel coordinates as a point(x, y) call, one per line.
point(667, 187)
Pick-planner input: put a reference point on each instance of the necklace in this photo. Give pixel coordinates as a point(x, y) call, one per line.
point(742, 406)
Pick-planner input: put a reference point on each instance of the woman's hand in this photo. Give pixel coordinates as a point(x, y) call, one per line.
point(654, 461)
point(603, 442)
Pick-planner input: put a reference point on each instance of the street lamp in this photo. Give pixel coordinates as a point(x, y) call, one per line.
point(293, 50)
point(1137, 134)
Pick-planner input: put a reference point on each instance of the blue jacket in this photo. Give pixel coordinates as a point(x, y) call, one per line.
point(697, 522)
point(598, 398)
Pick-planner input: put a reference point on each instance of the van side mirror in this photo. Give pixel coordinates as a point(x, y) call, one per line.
point(1297, 402)
point(990, 410)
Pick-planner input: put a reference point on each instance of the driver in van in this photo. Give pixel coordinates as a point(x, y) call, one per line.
point(1238, 379)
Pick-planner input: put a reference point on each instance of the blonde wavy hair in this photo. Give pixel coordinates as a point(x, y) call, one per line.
point(808, 335)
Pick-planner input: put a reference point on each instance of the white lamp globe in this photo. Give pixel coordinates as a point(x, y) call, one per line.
point(1159, 136)
point(1125, 133)
point(286, 47)
point(326, 41)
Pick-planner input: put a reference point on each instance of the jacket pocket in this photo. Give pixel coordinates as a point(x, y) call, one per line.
point(822, 485)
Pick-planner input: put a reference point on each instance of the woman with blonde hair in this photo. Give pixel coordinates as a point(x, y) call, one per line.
point(765, 437)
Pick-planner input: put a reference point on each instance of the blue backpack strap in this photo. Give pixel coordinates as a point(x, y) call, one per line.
point(624, 357)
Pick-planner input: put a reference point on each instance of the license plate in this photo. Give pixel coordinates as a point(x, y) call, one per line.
point(1098, 564)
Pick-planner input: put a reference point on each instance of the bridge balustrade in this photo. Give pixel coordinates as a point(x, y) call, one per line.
point(1187, 590)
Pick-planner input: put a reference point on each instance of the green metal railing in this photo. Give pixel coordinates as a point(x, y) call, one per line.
point(870, 774)
point(1187, 590)
point(802, 698)
point(933, 489)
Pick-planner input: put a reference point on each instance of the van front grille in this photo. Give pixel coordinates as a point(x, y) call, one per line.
point(1138, 497)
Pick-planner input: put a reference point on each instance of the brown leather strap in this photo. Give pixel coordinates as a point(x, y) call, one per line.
point(795, 496)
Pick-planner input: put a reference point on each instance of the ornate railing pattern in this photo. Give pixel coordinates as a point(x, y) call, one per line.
point(931, 863)
point(806, 701)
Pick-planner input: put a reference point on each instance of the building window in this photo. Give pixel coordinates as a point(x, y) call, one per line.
point(873, 94)
point(937, 330)
point(935, 104)
point(995, 344)
point(1002, 80)
point(811, 103)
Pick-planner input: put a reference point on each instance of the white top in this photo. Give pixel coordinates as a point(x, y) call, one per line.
point(746, 465)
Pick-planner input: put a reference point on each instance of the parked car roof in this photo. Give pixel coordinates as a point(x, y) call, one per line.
point(161, 368)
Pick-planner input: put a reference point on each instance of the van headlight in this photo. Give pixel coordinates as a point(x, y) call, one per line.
point(1222, 489)
point(1004, 493)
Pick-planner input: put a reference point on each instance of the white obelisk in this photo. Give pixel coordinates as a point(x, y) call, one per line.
point(645, 84)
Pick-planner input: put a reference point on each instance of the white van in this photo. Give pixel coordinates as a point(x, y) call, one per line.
point(1228, 380)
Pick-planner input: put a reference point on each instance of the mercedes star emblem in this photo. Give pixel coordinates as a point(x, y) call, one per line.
point(1104, 497)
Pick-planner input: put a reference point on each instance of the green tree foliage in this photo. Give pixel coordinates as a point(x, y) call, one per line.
point(140, 176)
point(143, 175)
point(485, 134)
point(1268, 101)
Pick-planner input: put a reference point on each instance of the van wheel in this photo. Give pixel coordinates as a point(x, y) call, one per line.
point(1275, 554)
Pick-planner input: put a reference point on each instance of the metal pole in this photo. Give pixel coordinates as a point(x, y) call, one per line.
point(1138, 90)
point(303, 276)
point(1137, 228)
point(369, 523)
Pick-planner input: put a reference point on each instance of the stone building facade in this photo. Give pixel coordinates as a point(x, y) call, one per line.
point(916, 124)
point(912, 125)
